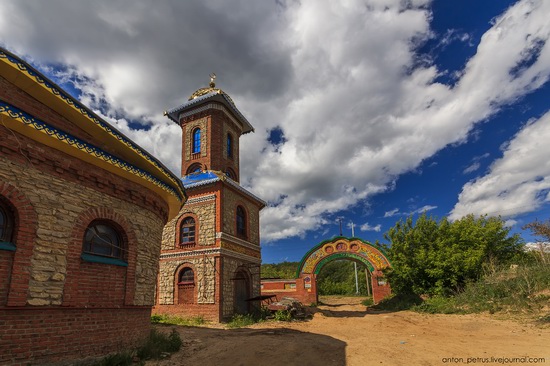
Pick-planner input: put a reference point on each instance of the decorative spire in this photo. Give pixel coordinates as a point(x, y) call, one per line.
point(212, 79)
point(210, 89)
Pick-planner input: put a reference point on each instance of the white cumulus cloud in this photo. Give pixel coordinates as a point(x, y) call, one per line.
point(517, 183)
point(341, 80)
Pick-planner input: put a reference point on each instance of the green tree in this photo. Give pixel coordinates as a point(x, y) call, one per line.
point(284, 270)
point(338, 278)
point(542, 231)
point(439, 257)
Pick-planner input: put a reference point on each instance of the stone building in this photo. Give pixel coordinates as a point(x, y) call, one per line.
point(210, 259)
point(82, 209)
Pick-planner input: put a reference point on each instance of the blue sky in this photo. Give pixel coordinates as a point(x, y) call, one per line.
point(365, 110)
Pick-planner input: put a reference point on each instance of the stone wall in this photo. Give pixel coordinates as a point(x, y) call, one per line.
point(58, 204)
point(205, 279)
point(203, 209)
point(231, 201)
point(230, 267)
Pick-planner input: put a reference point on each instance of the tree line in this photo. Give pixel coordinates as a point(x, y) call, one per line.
point(431, 257)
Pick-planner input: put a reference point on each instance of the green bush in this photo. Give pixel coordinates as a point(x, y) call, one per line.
point(159, 343)
point(283, 316)
point(519, 289)
point(438, 258)
point(242, 320)
point(368, 301)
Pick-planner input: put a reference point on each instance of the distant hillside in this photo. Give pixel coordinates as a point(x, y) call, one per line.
point(280, 270)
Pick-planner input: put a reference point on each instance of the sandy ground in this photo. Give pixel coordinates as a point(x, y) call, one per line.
point(343, 332)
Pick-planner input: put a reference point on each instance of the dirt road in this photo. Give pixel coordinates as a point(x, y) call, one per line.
point(349, 334)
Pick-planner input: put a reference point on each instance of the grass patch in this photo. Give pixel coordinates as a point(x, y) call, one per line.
point(158, 344)
point(118, 359)
point(525, 289)
point(368, 302)
point(175, 320)
point(242, 320)
point(398, 302)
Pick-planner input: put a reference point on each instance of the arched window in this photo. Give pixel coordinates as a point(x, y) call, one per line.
point(241, 222)
point(194, 168)
point(6, 223)
point(186, 286)
point(104, 239)
point(229, 146)
point(186, 276)
point(197, 141)
point(187, 231)
point(229, 173)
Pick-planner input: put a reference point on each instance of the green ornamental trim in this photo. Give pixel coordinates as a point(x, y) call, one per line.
point(105, 260)
point(332, 240)
point(7, 246)
point(342, 255)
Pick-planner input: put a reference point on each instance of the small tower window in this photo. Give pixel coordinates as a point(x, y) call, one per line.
point(229, 146)
point(241, 222)
point(101, 238)
point(197, 141)
point(187, 231)
point(230, 173)
point(195, 168)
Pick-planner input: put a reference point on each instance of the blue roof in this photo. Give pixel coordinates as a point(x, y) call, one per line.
point(207, 177)
point(199, 179)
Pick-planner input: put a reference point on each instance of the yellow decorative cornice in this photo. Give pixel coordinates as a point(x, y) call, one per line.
point(147, 168)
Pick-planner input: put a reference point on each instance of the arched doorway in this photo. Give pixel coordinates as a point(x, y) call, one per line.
point(186, 286)
point(342, 248)
point(241, 291)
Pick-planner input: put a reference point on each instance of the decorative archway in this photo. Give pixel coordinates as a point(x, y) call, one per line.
point(342, 248)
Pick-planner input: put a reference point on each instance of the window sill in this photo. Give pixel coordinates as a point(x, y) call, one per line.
point(105, 260)
point(10, 247)
point(187, 245)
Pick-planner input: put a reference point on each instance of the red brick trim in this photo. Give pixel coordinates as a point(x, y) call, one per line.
point(75, 263)
point(24, 237)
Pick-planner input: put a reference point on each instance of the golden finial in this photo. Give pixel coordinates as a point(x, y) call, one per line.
point(212, 79)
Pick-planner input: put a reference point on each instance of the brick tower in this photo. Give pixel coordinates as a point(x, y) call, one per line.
point(210, 257)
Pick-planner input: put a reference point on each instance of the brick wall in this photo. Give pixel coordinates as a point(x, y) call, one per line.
point(45, 335)
point(45, 286)
point(215, 126)
point(6, 261)
point(58, 204)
